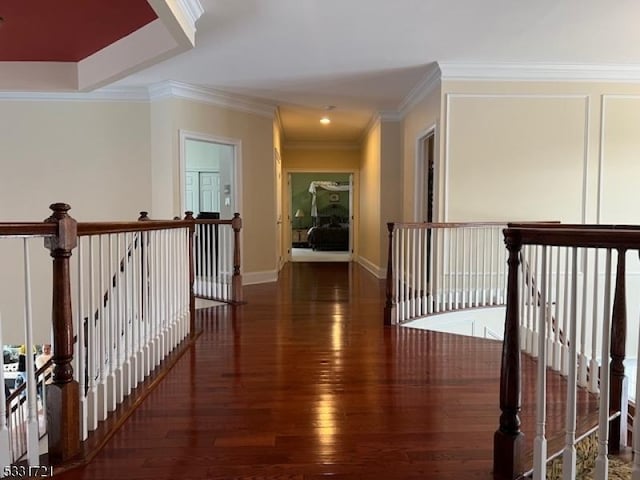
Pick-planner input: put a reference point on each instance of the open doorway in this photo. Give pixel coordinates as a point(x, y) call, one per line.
point(210, 170)
point(425, 162)
point(321, 206)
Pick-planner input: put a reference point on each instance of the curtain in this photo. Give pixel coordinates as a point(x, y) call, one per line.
point(326, 185)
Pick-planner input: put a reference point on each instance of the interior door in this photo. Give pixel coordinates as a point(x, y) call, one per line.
point(192, 202)
point(209, 183)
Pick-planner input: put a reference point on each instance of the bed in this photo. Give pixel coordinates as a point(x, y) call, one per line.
point(329, 234)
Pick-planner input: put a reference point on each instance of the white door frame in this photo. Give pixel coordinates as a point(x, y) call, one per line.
point(286, 205)
point(237, 164)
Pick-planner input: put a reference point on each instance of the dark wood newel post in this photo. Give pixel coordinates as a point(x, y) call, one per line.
point(389, 306)
point(144, 216)
point(63, 401)
point(508, 441)
point(192, 274)
point(236, 281)
point(618, 339)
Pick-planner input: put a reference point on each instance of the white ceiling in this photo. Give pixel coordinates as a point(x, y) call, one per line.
point(365, 56)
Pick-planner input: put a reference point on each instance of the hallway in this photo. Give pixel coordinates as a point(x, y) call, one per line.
point(304, 382)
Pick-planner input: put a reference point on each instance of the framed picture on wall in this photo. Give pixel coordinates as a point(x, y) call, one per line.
point(334, 197)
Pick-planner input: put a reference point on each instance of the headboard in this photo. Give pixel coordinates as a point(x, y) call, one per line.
point(332, 211)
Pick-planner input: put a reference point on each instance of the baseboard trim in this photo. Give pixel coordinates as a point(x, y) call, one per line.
point(253, 278)
point(372, 268)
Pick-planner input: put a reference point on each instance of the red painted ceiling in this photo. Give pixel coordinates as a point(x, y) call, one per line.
point(66, 30)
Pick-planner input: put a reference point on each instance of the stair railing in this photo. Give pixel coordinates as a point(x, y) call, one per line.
point(131, 290)
point(582, 257)
point(131, 285)
point(19, 413)
point(217, 259)
point(443, 267)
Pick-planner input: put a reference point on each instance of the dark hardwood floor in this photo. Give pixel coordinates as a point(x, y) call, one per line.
point(304, 382)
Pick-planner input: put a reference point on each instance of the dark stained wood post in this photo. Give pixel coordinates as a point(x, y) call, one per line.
point(144, 216)
point(389, 306)
point(508, 441)
point(236, 281)
point(188, 215)
point(618, 339)
point(63, 401)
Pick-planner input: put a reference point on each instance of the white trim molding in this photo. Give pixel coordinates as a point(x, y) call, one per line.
point(110, 94)
point(192, 9)
point(320, 146)
point(539, 72)
point(430, 81)
point(372, 268)
point(171, 89)
point(253, 278)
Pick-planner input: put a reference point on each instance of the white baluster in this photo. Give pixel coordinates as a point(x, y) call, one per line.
point(396, 273)
point(93, 346)
point(492, 267)
point(583, 360)
point(565, 318)
point(535, 308)
point(540, 442)
point(602, 461)
point(117, 307)
point(593, 365)
point(522, 287)
point(401, 280)
point(80, 345)
point(111, 334)
point(147, 285)
point(33, 449)
point(557, 345)
point(569, 454)
point(464, 267)
point(127, 374)
point(136, 317)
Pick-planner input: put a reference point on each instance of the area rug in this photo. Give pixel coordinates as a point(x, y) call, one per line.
point(586, 453)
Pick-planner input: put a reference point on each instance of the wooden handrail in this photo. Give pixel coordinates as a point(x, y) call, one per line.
point(425, 225)
point(576, 237)
point(99, 228)
point(27, 229)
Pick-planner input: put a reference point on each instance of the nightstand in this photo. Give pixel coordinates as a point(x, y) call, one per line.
point(299, 237)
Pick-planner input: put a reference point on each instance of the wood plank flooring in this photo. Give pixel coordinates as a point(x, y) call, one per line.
point(305, 383)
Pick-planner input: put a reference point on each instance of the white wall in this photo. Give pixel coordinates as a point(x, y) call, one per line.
point(257, 202)
point(93, 155)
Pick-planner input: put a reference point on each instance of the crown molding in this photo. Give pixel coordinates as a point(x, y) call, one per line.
point(375, 119)
point(430, 81)
point(192, 9)
point(321, 146)
point(171, 89)
point(539, 72)
point(110, 94)
point(391, 116)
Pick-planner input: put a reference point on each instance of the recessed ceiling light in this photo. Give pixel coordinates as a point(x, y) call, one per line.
point(325, 120)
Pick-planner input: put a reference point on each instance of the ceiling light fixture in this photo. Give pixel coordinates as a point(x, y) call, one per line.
point(325, 120)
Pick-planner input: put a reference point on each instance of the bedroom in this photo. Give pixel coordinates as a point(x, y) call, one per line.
point(321, 206)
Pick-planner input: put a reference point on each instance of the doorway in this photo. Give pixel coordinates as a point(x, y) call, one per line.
point(210, 170)
point(425, 176)
point(321, 216)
